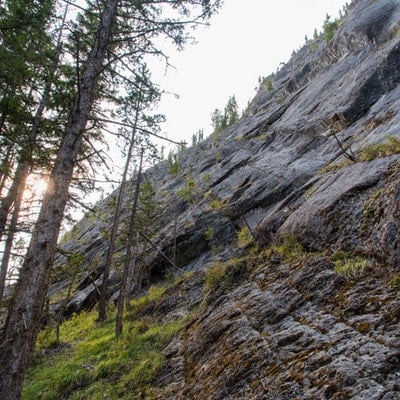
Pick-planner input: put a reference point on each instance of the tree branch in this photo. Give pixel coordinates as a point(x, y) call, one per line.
point(109, 121)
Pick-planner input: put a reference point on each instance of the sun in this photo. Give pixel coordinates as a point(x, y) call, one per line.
point(36, 185)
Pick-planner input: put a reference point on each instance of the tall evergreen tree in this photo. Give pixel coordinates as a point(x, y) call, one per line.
point(124, 31)
point(142, 95)
point(27, 56)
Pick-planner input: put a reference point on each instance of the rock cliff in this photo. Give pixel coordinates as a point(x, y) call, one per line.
point(313, 167)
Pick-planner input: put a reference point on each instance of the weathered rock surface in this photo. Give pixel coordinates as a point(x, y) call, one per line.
point(294, 330)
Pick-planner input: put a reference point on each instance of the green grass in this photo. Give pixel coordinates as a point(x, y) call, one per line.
point(221, 277)
point(351, 266)
point(289, 250)
point(93, 364)
point(395, 281)
point(244, 237)
point(390, 146)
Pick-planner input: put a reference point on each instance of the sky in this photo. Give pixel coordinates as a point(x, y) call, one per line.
point(244, 41)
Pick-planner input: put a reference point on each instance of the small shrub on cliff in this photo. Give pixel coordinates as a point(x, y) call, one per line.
point(395, 281)
point(189, 192)
point(330, 28)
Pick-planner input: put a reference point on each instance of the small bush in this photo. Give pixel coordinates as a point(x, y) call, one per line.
point(189, 192)
point(268, 85)
point(330, 27)
point(383, 149)
point(209, 233)
point(335, 166)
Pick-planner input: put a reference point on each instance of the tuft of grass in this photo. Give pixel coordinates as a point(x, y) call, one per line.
point(223, 277)
point(395, 281)
point(289, 250)
point(154, 295)
point(244, 237)
point(335, 166)
point(390, 146)
point(350, 266)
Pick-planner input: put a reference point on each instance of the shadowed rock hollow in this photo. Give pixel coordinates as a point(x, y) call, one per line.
point(301, 163)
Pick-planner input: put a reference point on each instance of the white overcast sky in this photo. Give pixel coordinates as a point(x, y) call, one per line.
point(246, 40)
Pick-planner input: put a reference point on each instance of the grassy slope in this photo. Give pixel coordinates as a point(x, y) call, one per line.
point(92, 364)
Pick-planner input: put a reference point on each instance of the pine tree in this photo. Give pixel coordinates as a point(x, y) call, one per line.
point(120, 34)
point(141, 96)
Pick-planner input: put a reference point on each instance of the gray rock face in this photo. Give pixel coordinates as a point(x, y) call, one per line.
point(295, 330)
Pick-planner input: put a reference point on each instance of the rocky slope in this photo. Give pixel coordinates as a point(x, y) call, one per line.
point(314, 159)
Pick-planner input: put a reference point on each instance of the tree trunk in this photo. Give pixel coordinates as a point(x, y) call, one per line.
point(10, 237)
point(20, 176)
point(132, 270)
point(7, 160)
point(114, 228)
point(128, 259)
point(22, 324)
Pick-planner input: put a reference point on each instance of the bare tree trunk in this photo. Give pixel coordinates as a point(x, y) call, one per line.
point(114, 228)
point(20, 176)
point(5, 162)
point(22, 324)
point(132, 270)
point(128, 258)
point(10, 237)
